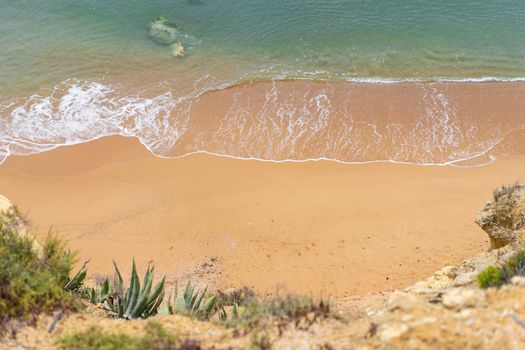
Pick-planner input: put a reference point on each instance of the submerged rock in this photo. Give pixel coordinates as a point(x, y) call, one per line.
point(163, 32)
point(503, 217)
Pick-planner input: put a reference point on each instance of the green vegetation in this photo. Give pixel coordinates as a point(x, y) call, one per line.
point(291, 309)
point(505, 190)
point(155, 338)
point(133, 302)
point(32, 281)
point(494, 276)
point(94, 338)
point(260, 342)
point(192, 302)
point(240, 296)
point(75, 283)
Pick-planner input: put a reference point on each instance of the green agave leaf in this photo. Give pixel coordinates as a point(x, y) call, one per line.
point(118, 283)
point(152, 310)
point(120, 308)
point(209, 305)
point(104, 291)
point(142, 300)
point(93, 296)
point(188, 294)
point(180, 303)
point(134, 291)
point(78, 279)
point(222, 314)
point(193, 300)
point(235, 312)
point(164, 310)
point(198, 300)
point(157, 292)
point(147, 275)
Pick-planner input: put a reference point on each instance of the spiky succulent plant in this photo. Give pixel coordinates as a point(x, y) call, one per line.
point(76, 282)
point(137, 301)
point(192, 302)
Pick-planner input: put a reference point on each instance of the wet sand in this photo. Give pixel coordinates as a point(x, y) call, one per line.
point(313, 227)
point(416, 122)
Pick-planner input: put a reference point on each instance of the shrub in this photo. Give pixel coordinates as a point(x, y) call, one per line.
point(491, 277)
point(95, 339)
point(494, 276)
point(31, 281)
point(515, 265)
point(155, 338)
point(260, 342)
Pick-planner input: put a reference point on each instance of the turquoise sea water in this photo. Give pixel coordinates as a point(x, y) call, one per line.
point(46, 44)
point(54, 40)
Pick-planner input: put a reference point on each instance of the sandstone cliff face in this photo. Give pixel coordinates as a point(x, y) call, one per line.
point(7, 208)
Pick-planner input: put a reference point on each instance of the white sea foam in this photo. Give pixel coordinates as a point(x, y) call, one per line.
point(378, 80)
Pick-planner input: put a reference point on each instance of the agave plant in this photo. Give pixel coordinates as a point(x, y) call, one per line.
point(76, 282)
point(192, 302)
point(137, 301)
point(234, 316)
point(96, 295)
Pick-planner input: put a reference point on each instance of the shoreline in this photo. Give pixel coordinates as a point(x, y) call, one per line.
point(316, 227)
point(461, 124)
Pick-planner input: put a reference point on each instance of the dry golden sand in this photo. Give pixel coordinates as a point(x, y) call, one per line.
point(314, 227)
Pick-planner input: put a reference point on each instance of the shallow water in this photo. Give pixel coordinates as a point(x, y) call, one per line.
point(75, 71)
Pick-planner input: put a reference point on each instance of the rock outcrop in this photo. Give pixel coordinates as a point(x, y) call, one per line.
point(5, 203)
point(503, 217)
point(163, 32)
point(10, 214)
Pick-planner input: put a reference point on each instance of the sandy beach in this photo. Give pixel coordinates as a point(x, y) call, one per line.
point(312, 227)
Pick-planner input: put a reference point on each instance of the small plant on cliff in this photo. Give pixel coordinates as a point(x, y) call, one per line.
point(32, 280)
point(133, 302)
point(505, 190)
point(75, 283)
point(240, 296)
point(291, 309)
point(494, 276)
point(192, 302)
point(260, 342)
point(155, 338)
